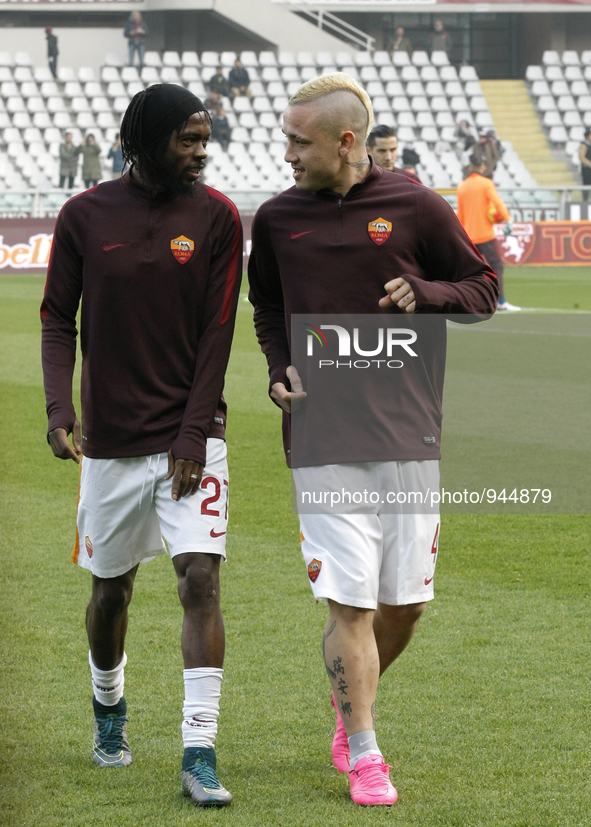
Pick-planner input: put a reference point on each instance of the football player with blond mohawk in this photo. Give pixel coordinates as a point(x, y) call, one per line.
point(352, 238)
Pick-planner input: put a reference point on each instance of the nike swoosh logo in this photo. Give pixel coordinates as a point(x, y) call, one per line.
point(363, 743)
point(306, 232)
point(219, 791)
point(428, 581)
point(112, 246)
point(213, 533)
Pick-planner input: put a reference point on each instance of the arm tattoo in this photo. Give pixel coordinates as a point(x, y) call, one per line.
point(330, 673)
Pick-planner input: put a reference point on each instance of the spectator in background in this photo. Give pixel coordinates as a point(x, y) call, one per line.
point(401, 43)
point(480, 207)
point(492, 137)
point(91, 163)
point(136, 30)
point(68, 162)
point(410, 159)
point(585, 159)
point(220, 128)
point(213, 102)
point(52, 51)
point(239, 80)
point(117, 155)
point(382, 144)
point(487, 153)
point(465, 138)
point(440, 39)
point(218, 83)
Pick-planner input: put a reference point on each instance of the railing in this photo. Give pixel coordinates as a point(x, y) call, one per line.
point(331, 23)
point(559, 203)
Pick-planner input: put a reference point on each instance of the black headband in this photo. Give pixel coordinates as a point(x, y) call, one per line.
point(167, 107)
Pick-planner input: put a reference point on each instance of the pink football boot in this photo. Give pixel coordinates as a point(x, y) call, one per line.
point(370, 782)
point(340, 742)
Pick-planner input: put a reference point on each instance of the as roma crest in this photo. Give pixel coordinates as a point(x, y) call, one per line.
point(88, 545)
point(379, 230)
point(314, 569)
point(182, 248)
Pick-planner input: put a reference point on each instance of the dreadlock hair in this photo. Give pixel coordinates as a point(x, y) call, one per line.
point(137, 148)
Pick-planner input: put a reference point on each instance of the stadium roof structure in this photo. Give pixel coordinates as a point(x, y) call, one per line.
point(436, 5)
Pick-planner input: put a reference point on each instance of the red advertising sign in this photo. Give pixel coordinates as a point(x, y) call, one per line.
point(546, 243)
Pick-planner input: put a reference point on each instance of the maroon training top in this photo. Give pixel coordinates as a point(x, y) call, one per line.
point(159, 285)
point(319, 252)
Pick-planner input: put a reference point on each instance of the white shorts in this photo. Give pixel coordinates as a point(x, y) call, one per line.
point(126, 512)
point(365, 559)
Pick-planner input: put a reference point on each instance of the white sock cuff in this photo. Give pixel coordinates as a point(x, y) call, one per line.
point(106, 673)
point(200, 672)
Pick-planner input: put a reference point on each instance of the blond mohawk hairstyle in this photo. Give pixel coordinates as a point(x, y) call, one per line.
point(336, 82)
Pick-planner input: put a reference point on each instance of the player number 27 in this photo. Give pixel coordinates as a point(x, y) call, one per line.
point(205, 509)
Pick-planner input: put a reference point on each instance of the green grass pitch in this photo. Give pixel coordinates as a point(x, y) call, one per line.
point(485, 718)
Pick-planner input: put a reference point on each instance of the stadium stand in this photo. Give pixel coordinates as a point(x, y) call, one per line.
point(423, 97)
point(560, 89)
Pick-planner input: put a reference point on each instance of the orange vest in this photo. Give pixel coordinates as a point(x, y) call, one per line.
point(478, 201)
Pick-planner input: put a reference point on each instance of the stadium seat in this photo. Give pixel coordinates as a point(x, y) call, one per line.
point(286, 59)
point(572, 118)
point(242, 104)
point(533, 73)
point(382, 58)
point(72, 89)
point(439, 104)
point(420, 104)
point(113, 59)
point(343, 59)
point(540, 87)
point(558, 135)
point(468, 73)
point(80, 104)
point(484, 119)
point(368, 73)
point(99, 104)
point(425, 119)
point(5, 74)
point(280, 103)
point(584, 103)
point(189, 74)
point(36, 104)
point(552, 118)
point(472, 89)
point(8, 88)
point(380, 103)
point(478, 104)
point(22, 59)
point(388, 73)
point(408, 73)
point(109, 74)
point(42, 120)
point(546, 103)
point(433, 88)
point(559, 87)
point(420, 59)
point(86, 74)
point(577, 133)
point(400, 59)
point(129, 74)
point(395, 89)
point(249, 60)
point(62, 119)
point(106, 120)
point(152, 59)
point(415, 87)
point(458, 103)
point(578, 88)
point(134, 88)
point(375, 88)
point(270, 74)
point(115, 89)
point(150, 74)
point(406, 134)
point(268, 120)
point(363, 59)
point(120, 104)
point(190, 59)
point(92, 89)
point(85, 120)
point(169, 74)
point(573, 73)
point(15, 104)
point(307, 73)
point(400, 104)
point(447, 73)
point(439, 58)
point(5, 59)
point(565, 102)
point(267, 59)
point(261, 103)
point(444, 119)
point(305, 59)
point(554, 73)
point(21, 74)
point(171, 59)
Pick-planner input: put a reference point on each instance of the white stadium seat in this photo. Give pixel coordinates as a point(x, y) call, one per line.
point(558, 135)
point(267, 59)
point(169, 74)
point(559, 87)
point(150, 74)
point(447, 73)
point(305, 59)
point(395, 89)
point(92, 89)
point(86, 74)
point(540, 87)
point(171, 59)
point(72, 89)
point(363, 59)
point(22, 59)
point(109, 74)
point(420, 59)
point(152, 59)
point(439, 58)
point(400, 59)
point(552, 118)
point(573, 73)
point(408, 73)
point(382, 59)
point(551, 58)
point(565, 102)
point(388, 73)
point(113, 59)
point(249, 59)
point(554, 73)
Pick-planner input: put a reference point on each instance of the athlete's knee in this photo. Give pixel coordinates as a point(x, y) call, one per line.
point(112, 596)
point(403, 616)
point(199, 582)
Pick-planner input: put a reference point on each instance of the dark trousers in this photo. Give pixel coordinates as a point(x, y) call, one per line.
point(586, 181)
point(52, 63)
point(489, 250)
point(69, 179)
point(90, 183)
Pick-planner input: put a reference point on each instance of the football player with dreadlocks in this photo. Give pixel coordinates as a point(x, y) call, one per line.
point(156, 258)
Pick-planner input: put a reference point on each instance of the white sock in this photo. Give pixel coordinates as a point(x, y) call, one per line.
point(361, 745)
point(108, 685)
point(202, 705)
